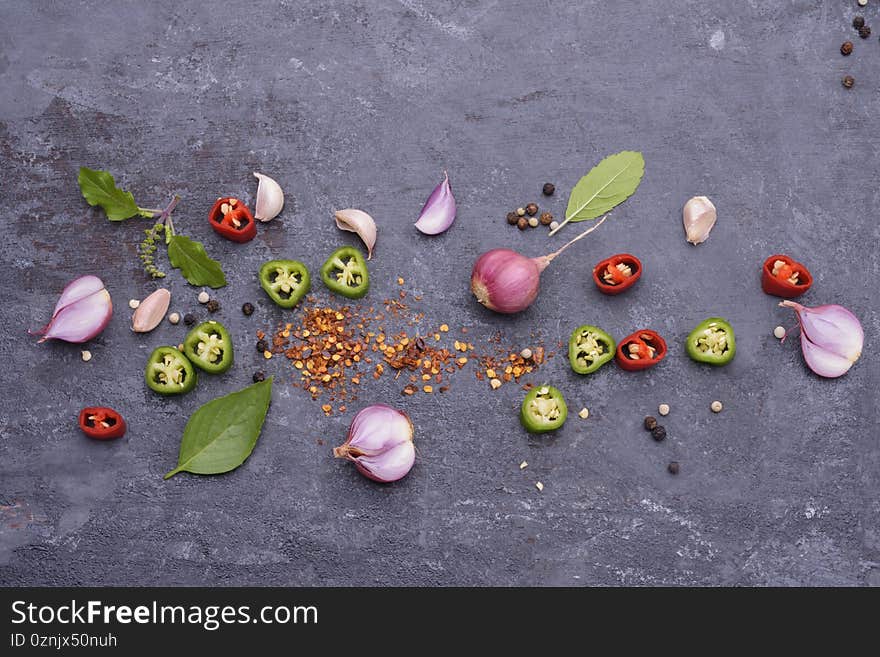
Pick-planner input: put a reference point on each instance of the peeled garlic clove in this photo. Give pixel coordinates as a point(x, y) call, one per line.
point(699, 217)
point(151, 311)
point(358, 221)
point(270, 198)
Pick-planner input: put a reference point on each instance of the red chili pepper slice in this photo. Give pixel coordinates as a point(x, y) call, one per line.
point(787, 279)
point(617, 273)
point(647, 347)
point(101, 423)
point(230, 218)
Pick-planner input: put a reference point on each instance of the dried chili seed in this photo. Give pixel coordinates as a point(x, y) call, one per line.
point(532, 209)
point(673, 467)
point(248, 309)
point(512, 218)
point(262, 346)
point(259, 376)
point(864, 31)
point(522, 223)
point(846, 48)
point(658, 433)
point(650, 422)
point(858, 22)
point(189, 319)
point(546, 218)
point(548, 189)
point(848, 81)
point(213, 306)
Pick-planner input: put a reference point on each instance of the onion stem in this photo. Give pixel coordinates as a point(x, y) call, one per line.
point(549, 258)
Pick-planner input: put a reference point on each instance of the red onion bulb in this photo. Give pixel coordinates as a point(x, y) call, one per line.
point(82, 312)
point(380, 443)
point(831, 338)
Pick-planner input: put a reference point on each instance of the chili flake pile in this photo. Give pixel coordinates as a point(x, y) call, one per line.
point(334, 349)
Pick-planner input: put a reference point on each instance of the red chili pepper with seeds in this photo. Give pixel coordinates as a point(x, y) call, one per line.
point(617, 273)
point(230, 218)
point(783, 277)
point(641, 350)
point(101, 423)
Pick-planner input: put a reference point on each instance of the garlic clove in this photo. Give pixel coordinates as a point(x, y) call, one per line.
point(151, 311)
point(358, 221)
point(699, 216)
point(270, 198)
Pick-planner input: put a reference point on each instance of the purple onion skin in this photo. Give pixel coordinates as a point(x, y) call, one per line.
point(82, 312)
point(438, 213)
point(831, 338)
point(505, 281)
point(380, 443)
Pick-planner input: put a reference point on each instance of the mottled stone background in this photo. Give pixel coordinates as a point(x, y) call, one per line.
point(364, 104)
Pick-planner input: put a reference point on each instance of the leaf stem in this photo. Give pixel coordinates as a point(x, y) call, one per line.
point(581, 236)
point(149, 213)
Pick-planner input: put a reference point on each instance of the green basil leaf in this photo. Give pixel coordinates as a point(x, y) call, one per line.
point(222, 434)
point(99, 188)
point(194, 263)
point(607, 185)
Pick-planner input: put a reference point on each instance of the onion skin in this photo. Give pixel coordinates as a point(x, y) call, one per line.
point(82, 312)
point(380, 443)
point(831, 338)
point(505, 281)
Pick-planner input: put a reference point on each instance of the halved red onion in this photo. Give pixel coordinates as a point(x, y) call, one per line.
point(380, 443)
point(438, 213)
point(83, 310)
point(831, 338)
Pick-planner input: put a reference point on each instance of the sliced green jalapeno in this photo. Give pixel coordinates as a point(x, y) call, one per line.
point(169, 372)
point(589, 349)
point(285, 281)
point(712, 342)
point(543, 409)
point(209, 347)
point(345, 273)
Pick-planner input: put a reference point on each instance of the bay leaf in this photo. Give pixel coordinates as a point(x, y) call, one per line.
point(607, 185)
point(221, 434)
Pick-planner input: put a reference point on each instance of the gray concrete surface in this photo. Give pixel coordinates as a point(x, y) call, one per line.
point(364, 104)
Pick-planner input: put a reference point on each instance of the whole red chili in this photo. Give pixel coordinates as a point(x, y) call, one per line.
point(783, 277)
point(101, 423)
point(641, 350)
point(617, 273)
point(230, 218)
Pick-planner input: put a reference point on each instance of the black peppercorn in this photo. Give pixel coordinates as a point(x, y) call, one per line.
point(532, 209)
point(546, 218)
point(189, 319)
point(848, 81)
point(512, 218)
point(213, 306)
point(262, 346)
point(658, 433)
point(673, 467)
point(859, 22)
point(259, 376)
point(864, 31)
point(522, 223)
point(846, 48)
point(650, 422)
point(548, 189)
point(248, 309)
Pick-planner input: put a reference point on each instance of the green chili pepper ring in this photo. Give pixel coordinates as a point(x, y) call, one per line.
point(169, 372)
point(209, 347)
point(543, 409)
point(285, 281)
point(712, 342)
point(345, 273)
point(589, 349)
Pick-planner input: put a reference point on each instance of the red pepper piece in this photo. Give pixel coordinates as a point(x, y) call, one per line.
point(646, 344)
point(620, 281)
point(236, 223)
point(101, 423)
point(779, 284)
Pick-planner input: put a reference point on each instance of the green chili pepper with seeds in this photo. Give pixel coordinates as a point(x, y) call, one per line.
point(169, 372)
point(209, 347)
point(543, 410)
point(589, 349)
point(345, 273)
point(712, 342)
point(285, 281)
